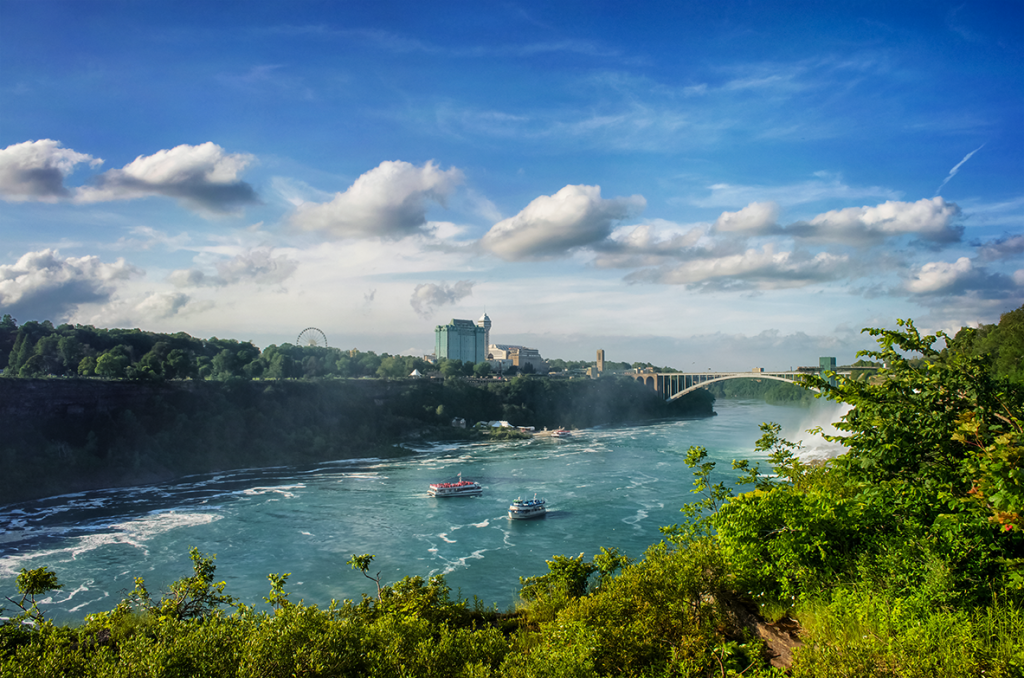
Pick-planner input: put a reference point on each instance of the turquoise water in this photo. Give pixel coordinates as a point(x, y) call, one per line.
point(608, 487)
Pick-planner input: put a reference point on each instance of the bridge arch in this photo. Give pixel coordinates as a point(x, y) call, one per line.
point(674, 385)
point(752, 375)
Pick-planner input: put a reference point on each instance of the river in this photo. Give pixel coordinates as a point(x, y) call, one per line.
point(609, 487)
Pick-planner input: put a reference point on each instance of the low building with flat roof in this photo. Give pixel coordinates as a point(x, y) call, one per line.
point(518, 356)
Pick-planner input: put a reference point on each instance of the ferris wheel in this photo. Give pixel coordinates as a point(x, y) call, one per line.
point(311, 336)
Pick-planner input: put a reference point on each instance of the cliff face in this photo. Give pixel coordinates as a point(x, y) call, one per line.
point(67, 435)
point(64, 435)
point(24, 399)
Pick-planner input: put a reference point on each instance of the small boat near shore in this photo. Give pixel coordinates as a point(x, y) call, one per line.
point(562, 433)
point(522, 509)
point(460, 488)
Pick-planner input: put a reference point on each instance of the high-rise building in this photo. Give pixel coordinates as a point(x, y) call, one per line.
point(461, 340)
point(485, 323)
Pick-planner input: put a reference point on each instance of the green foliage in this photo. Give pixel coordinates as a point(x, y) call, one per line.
point(568, 576)
point(863, 632)
point(1001, 345)
point(278, 598)
point(700, 515)
point(362, 563)
point(934, 451)
point(769, 390)
point(32, 583)
point(189, 597)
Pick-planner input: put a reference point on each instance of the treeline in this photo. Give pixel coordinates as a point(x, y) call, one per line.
point(62, 435)
point(769, 390)
point(38, 349)
point(1000, 345)
point(903, 558)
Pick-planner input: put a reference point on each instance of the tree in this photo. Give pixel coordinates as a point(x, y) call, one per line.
point(112, 364)
point(192, 597)
point(87, 366)
point(481, 369)
point(32, 583)
point(932, 474)
point(451, 368)
point(362, 563)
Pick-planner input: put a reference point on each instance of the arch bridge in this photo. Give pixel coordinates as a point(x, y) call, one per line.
point(673, 385)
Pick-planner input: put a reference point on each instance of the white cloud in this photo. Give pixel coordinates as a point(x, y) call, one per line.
point(146, 238)
point(658, 241)
point(43, 285)
point(825, 186)
point(445, 230)
point(256, 266)
point(162, 304)
point(203, 178)
point(929, 218)
point(961, 284)
point(940, 276)
point(552, 225)
point(753, 269)
point(35, 170)
point(389, 201)
point(757, 218)
point(428, 296)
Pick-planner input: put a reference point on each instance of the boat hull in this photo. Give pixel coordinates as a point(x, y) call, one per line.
point(515, 515)
point(527, 510)
point(445, 494)
point(462, 488)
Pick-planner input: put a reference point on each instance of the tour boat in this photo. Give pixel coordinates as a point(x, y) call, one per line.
point(460, 488)
point(524, 510)
point(562, 433)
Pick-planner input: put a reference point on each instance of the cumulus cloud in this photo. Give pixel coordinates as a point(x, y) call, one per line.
point(44, 285)
point(257, 266)
point(963, 278)
point(429, 296)
point(757, 218)
point(162, 304)
point(929, 219)
point(550, 226)
point(753, 269)
point(389, 201)
point(204, 178)
point(941, 276)
point(35, 170)
point(658, 243)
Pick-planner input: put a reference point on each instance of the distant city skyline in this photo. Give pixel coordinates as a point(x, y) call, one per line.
point(701, 185)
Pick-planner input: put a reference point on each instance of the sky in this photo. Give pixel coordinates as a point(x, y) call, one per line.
point(721, 185)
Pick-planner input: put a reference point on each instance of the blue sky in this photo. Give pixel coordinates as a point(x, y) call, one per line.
point(725, 185)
